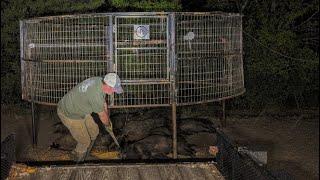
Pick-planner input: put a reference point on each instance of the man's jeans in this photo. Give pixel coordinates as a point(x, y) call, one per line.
point(82, 130)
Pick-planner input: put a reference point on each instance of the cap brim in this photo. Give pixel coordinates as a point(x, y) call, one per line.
point(118, 90)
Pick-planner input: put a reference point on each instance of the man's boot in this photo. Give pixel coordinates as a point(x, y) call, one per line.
point(78, 157)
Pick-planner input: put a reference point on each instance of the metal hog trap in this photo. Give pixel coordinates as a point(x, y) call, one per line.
point(163, 59)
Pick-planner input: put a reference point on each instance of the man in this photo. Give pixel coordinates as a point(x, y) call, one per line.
point(75, 109)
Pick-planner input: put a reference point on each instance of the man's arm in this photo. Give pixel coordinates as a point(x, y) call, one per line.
point(104, 115)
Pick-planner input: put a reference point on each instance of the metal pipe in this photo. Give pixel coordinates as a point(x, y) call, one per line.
point(224, 121)
point(63, 61)
point(145, 81)
point(130, 14)
point(110, 38)
point(173, 83)
point(144, 48)
point(174, 130)
point(34, 138)
point(22, 63)
point(111, 67)
point(208, 101)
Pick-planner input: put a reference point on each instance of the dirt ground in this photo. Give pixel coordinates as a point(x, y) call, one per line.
point(291, 139)
point(290, 147)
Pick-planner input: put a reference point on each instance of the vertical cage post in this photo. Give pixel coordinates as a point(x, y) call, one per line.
point(22, 62)
point(110, 65)
point(174, 129)
point(223, 118)
point(173, 83)
point(33, 118)
point(23, 81)
point(241, 51)
point(33, 123)
point(34, 139)
point(110, 43)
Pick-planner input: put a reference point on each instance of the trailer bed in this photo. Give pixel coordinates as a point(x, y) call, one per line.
point(176, 171)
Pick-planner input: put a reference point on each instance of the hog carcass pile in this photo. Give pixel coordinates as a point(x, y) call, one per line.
point(147, 134)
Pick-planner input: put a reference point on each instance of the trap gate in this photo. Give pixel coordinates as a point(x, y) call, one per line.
point(163, 59)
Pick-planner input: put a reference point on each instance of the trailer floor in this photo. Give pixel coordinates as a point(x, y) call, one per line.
point(176, 171)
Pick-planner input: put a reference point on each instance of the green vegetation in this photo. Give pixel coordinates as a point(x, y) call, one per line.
point(281, 42)
point(147, 5)
point(281, 56)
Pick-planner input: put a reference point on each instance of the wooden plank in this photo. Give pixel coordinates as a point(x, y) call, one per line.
point(191, 172)
point(147, 173)
point(128, 173)
point(174, 171)
point(109, 174)
point(170, 172)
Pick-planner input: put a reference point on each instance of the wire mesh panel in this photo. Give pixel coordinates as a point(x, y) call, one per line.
point(60, 52)
point(141, 47)
point(141, 60)
point(143, 94)
point(208, 57)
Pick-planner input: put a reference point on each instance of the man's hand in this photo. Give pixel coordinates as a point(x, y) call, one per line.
point(104, 115)
point(109, 127)
point(104, 118)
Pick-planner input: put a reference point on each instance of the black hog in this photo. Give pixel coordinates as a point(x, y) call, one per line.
point(137, 130)
point(190, 126)
point(60, 128)
point(119, 119)
point(163, 131)
point(118, 123)
point(184, 149)
point(201, 139)
point(155, 113)
point(154, 146)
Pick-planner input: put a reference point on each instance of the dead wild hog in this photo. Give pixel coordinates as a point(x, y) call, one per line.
point(137, 130)
point(191, 125)
point(151, 147)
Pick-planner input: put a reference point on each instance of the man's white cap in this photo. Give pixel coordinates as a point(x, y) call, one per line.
point(113, 80)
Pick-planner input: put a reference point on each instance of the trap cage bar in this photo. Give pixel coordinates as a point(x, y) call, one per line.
point(163, 59)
